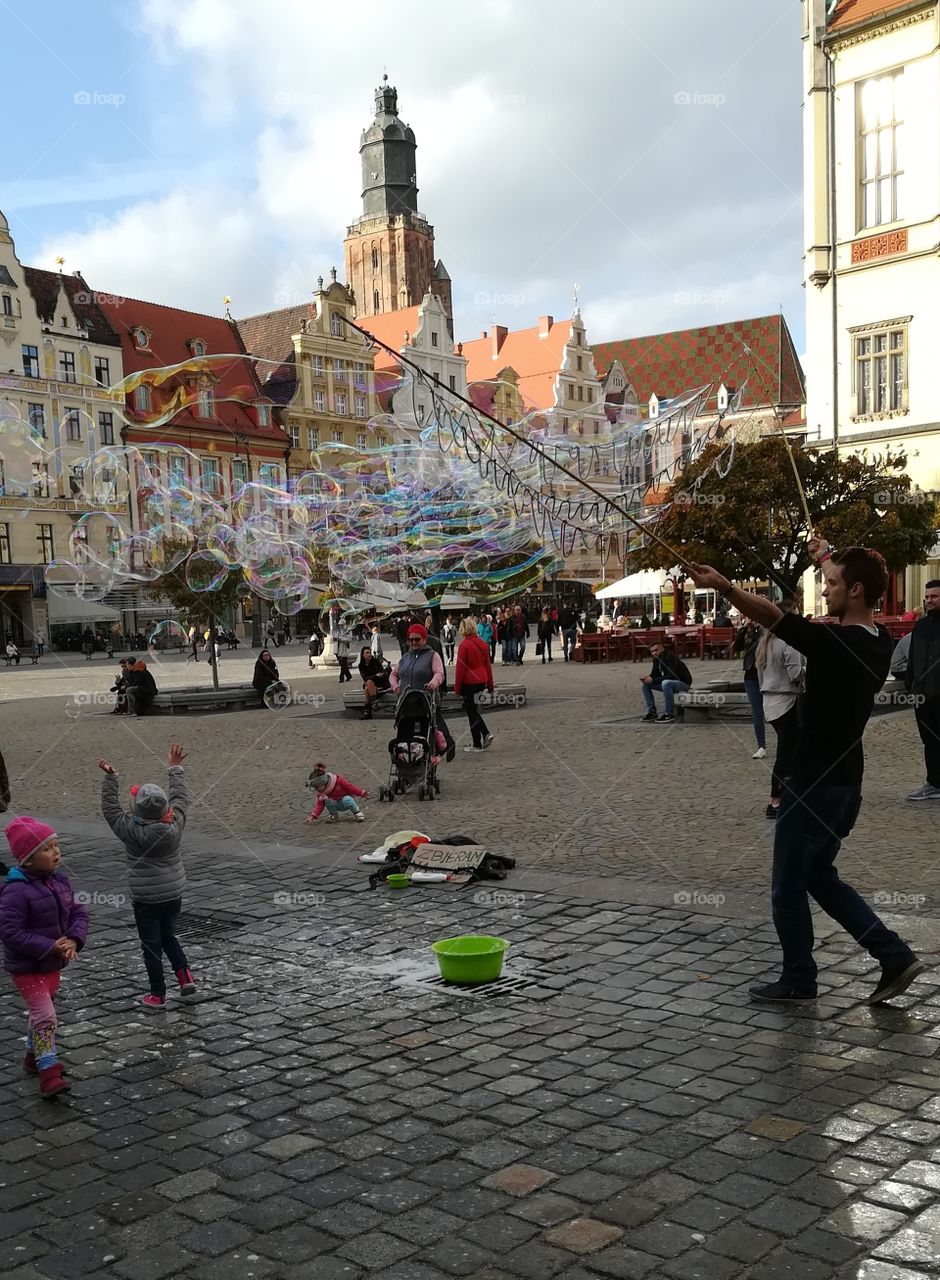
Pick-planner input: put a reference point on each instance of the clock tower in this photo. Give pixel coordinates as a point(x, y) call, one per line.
point(389, 250)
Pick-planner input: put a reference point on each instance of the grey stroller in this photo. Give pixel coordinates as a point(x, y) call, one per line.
point(413, 750)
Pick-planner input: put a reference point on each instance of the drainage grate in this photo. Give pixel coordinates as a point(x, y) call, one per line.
point(520, 985)
point(196, 926)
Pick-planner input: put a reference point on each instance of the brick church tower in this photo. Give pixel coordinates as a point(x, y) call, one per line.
point(389, 250)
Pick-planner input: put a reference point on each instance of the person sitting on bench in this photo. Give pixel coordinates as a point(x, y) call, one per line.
point(376, 678)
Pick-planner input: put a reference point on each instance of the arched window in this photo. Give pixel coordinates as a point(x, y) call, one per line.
point(375, 258)
point(375, 299)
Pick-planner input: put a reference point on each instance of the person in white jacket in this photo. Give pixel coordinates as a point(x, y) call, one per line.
point(780, 672)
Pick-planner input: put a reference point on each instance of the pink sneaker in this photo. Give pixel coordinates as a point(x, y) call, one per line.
point(186, 981)
point(154, 1002)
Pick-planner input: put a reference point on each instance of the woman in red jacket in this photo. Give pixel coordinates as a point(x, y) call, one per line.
point(472, 674)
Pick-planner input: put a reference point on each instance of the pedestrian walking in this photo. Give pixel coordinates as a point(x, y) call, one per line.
point(449, 640)
point(342, 642)
point(152, 834)
point(375, 641)
point(42, 928)
point(846, 665)
point(546, 632)
point(568, 625)
point(922, 679)
point(747, 642)
point(780, 669)
point(336, 794)
point(668, 675)
point(473, 675)
point(314, 648)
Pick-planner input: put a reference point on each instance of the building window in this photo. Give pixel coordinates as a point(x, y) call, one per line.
point(452, 379)
point(211, 476)
point(114, 543)
point(361, 440)
point(580, 364)
point(269, 474)
point(564, 425)
point(151, 467)
point(102, 371)
point(294, 433)
point(313, 438)
point(36, 415)
point(339, 369)
point(375, 300)
point(375, 258)
point(7, 305)
point(580, 392)
point(5, 551)
point(340, 402)
point(319, 401)
point(39, 485)
point(199, 347)
point(360, 406)
point(433, 338)
point(106, 427)
point(239, 473)
point(318, 365)
point(46, 544)
point(359, 371)
point(264, 415)
point(30, 361)
point(881, 370)
point(881, 136)
point(336, 324)
point(73, 425)
point(205, 404)
point(176, 467)
point(141, 337)
point(337, 435)
point(142, 399)
point(67, 366)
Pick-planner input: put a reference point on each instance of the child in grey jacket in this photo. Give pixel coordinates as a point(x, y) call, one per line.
point(152, 834)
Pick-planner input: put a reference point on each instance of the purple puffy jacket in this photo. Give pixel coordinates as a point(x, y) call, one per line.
point(35, 911)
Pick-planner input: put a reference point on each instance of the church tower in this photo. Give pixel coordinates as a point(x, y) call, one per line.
point(389, 250)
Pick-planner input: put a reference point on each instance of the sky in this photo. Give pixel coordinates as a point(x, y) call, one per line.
point(649, 152)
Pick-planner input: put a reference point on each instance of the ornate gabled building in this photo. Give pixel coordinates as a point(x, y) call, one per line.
point(319, 371)
point(389, 249)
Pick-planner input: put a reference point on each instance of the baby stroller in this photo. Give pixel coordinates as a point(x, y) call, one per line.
point(413, 749)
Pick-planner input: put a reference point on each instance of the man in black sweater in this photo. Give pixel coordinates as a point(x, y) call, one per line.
point(846, 665)
point(668, 675)
point(922, 678)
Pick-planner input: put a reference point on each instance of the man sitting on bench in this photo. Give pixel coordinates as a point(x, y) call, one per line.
point(668, 675)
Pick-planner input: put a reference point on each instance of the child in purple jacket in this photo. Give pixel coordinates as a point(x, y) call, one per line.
point(42, 928)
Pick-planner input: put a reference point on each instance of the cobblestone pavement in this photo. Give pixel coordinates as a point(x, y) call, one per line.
point(573, 783)
point(320, 1112)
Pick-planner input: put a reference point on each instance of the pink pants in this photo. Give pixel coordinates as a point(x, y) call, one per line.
point(38, 991)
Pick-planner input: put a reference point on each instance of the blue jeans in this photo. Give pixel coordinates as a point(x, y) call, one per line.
point(808, 834)
point(570, 638)
point(510, 649)
point(668, 688)
point(346, 805)
point(156, 927)
point(755, 698)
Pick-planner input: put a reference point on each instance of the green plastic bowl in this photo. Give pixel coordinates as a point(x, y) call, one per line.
point(397, 881)
point(470, 960)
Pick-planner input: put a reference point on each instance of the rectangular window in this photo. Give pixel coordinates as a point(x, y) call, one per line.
point(205, 404)
point(264, 415)
point(176, 466)
point(6, 556)
point(433, 339)
point(239, 474)
point(880, 150)
point(881, 376)
point(37, 417)
point(313, 438)
point(142, 399)
point(336, 324)
point(452, 379)
point(319, 401)
point(360, 406)
point(7, 305)
point(340, 402)
point(73, 425)
point(106, 428)
point(39, 484)
point(151, 465)
point(46, 543)
point(337, 435)
point(269, 474)
point(67, 366)
point(339, 369)
point(359, 371)
point(580, 392)
point(318, 364)
point(294, 431)
point(564, 425)
point(30, 361)
point(211, 476)
point(361, 440)
point(580, 363)
point(102, 371)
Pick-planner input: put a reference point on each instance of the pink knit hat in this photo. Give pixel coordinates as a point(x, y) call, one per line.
point(26, 836)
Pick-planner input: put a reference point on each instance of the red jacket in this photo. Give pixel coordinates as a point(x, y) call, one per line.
point(473, 664)
point(339, 788)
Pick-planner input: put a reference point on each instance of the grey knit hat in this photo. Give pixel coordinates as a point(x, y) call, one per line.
point(150, 802)
point(318, 778)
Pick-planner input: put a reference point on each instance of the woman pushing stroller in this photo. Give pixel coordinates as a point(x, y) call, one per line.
point(421, 668)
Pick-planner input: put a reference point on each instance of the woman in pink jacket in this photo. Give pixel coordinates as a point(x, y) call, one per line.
point(335, 794)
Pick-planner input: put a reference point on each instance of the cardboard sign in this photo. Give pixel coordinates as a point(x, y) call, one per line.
point(457, 860)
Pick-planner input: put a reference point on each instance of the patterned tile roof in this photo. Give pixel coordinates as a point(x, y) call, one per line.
point(666, 364)
point(851, 13)
point(45, 286)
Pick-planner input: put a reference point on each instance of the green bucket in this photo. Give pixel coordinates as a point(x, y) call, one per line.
point(471, 959)
point(397, 880)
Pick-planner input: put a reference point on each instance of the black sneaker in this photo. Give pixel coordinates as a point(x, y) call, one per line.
point(781, 993)
point(665, 719)
point(649, 717)
point(896, 979)
point(772, 810)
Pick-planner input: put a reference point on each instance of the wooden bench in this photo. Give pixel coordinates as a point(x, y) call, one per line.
point(505, 695)
point(199, 697)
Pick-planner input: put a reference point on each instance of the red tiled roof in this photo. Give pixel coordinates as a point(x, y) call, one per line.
point(170, 328)
point(536, 360)
point(668, 364)
point(851, 13)
point(45, 286)
point(390, 328)
point(268, 338)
